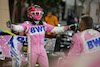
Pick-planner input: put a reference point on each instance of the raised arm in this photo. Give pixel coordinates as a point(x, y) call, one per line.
point(18, 28)
point(59, 29)
point(55, 29)
point(63, 28)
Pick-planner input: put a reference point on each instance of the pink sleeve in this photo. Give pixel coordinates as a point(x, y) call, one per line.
point(24, 25)
point(75, 46)
point(18, 27)
point(49, 27)
point(66, 27)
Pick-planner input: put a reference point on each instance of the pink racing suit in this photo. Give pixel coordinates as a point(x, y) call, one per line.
point(36, 34)
point(85, 50)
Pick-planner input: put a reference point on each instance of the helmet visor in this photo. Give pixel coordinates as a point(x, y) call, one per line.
point(36, 12)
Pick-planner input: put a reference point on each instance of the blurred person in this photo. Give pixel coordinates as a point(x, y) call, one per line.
point(70, 18)
point(19, 33)
point(24, 13)
point(35, 31)
point(52, 20)
point(85, 46)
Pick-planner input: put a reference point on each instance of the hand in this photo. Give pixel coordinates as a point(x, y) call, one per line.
point(72, 27)
point(8, 24)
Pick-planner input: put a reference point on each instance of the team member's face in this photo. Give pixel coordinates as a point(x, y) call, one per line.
point(49, 14)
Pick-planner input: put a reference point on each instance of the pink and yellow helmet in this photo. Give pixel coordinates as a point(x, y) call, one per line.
point(35, 12)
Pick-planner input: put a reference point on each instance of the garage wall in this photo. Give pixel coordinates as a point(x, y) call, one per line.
point(4, 14)
point(94, 12)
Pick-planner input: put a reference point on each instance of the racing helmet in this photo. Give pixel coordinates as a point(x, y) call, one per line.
point(35, 12)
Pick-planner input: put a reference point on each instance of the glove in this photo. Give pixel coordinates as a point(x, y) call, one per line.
point(8, 24)
point(72, 27)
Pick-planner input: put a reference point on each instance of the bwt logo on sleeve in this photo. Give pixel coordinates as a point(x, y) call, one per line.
point(94, 43)
point(37, 30)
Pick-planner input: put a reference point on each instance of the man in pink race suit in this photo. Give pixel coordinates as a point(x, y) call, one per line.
point(35, 30)
point(85, 47)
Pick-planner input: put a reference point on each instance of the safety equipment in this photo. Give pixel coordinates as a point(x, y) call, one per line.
point(35, 12)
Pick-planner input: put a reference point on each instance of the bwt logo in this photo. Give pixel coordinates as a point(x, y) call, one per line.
point(93, 43)
point(37, 29)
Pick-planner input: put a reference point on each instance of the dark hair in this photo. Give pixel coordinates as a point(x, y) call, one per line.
point(88, 21)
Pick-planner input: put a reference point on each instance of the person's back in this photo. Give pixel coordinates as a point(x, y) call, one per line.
point(88, 48)
point(85, 46)
point(86, 43)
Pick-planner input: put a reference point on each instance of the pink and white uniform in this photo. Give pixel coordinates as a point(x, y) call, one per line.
point(85, 50)
point(36, 34)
